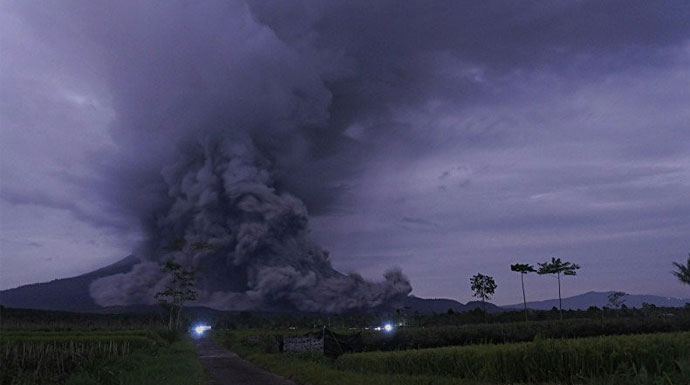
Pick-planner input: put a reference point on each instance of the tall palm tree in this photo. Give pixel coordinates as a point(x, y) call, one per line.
point(555, 268)
point(523, 268)
point(683, 272)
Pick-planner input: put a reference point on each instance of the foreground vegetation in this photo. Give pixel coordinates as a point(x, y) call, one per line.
point(97, 357)
point(629, 346)
point(431, 337)
point(176, 364)
point(660, 358)
point(664, 356)
point(312, 368)
point(404, 338)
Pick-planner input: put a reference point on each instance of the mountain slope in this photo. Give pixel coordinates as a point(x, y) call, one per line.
point(600, 299)
point(70, 294)
point(441, 305)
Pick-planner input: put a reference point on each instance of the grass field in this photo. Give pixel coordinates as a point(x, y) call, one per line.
point(664, 355)
point(498, 333)
point(644, 359)
point(97, 357)
point(599, 351)
point(176, 364)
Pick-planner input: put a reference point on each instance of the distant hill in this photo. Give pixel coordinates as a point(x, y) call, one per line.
point(70, 294)
point(601, 299)
point(441, 305)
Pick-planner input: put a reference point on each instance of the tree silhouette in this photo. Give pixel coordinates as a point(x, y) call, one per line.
point(683, 271)
point(484, 287)
point(616, 299)
point(181, 285)
point(523, 268)
point(556, 267)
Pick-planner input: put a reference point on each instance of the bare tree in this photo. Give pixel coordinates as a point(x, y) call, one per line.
point(556, 267)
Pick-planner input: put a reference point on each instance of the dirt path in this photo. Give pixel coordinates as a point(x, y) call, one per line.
point(224, 367)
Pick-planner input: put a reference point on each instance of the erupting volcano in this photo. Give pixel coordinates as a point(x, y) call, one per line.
point(222, 193)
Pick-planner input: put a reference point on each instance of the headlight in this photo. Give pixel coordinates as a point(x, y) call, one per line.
point(200, 329)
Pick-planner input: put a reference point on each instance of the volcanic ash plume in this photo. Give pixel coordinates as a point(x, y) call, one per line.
point(222, 193)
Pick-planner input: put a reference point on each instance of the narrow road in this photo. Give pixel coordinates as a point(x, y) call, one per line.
point(224, 367)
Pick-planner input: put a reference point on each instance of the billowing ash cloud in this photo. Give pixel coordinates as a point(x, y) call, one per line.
point(211, 110)
point(221, 191)
point(439, 134)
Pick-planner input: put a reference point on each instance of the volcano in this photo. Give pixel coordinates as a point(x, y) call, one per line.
point(72, 294)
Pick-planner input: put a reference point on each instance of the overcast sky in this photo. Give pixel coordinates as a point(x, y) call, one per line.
point(443, 137)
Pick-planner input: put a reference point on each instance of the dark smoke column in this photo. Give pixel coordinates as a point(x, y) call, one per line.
point(221, 191)
point(209, 108)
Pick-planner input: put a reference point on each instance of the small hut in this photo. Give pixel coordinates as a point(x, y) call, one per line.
point(325, 341)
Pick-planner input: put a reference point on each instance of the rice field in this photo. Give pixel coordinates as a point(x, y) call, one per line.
point(501, 333)
point(642, 359)
point(652, 351)
point(665, 355)
point(31, 357)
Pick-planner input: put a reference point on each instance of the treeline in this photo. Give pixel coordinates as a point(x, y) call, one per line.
point(477, 316)
point(60, 320)
point(252, 320)
point(11, 318)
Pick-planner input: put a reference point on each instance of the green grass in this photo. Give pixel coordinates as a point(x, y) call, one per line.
point(97, 357)
point(654, 359)
point(176, 364)
point(499, 333)
point(24, 332)
point(405, 338)
point(306, 370)
point(566, 360)
point(315, 369)
point(50, 359)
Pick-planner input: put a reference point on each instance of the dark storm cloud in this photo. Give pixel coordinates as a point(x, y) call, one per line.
point(403, 53)
point(410, 128)
point(61, 203)
point(345, 66)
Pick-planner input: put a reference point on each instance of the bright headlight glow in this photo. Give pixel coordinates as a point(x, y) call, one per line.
point(388, 327)
point(200, 329)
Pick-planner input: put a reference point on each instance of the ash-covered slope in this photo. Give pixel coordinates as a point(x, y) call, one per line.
point(259, 255)
point(71, 294)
